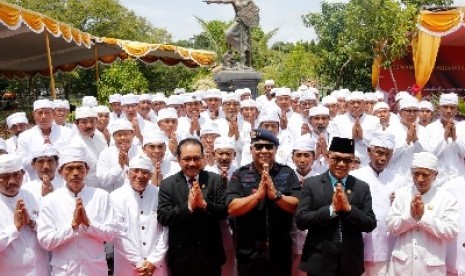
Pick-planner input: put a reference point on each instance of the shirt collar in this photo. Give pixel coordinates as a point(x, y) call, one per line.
point(334, 180)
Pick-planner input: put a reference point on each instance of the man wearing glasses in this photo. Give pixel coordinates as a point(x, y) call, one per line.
point(191, 205)
point(335, 207)
point(263, 196)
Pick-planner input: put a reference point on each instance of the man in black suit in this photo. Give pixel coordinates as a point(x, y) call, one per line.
point(191, 203)
point(336, 208)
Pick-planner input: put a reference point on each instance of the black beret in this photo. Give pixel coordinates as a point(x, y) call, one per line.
point(263, 134)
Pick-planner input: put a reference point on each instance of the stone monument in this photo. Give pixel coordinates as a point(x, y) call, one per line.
point(237, 71)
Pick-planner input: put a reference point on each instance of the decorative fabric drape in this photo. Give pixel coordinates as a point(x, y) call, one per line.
point(432, 25)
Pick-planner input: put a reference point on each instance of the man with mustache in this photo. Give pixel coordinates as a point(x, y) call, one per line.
point(16, 123)
point(76, 220)
point(262, 197)
point(45, 163)
point(191, 205)
point(383, 183)
point(113, 161)
point(93, 142)
point(335, 207)
point(20, 251)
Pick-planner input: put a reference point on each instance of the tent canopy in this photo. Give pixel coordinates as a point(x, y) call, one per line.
point(24, 51)
point(436, 61)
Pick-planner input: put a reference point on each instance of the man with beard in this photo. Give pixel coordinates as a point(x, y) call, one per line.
point(20, 251)
point(113, 161)
point(44, 132)
point(335, 207)
point(263, 196)
point(76, 220)
point(191, 204)
point(424, 218)
point(383, 183)
point(93, 142)
point(319, 120)
point(154, 147)
point(141, 243)
point(45, 163)
point(355, 124)
point(16, 123)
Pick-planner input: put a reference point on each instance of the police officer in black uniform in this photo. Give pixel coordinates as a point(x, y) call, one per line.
point(263, 197)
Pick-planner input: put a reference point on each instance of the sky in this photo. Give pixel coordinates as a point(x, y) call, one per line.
point(178, 16)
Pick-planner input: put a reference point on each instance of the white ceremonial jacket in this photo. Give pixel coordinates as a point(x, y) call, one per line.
point(455, 258)
point(378, 244)
point(11, 144)
point(450, 154)
point(81, 251)
point(20, 252)
point(35, 187)
point(93, 147)
point(341, 126)
point(140, 236)
point(420, 248)
point(110, 174)
point(31, 140)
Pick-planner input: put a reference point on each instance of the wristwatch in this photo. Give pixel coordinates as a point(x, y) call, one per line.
point(277, 196)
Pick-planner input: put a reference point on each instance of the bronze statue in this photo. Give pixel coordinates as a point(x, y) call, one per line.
point(238, 34)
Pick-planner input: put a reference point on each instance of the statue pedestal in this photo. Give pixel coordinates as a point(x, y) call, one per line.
point(230, 80)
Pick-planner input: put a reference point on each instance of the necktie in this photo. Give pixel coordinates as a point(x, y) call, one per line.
point(339, 223)
point(190, 183)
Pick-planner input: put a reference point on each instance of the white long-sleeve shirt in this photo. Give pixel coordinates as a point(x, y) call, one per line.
point(450, 153)
point(20, 252)
point(420, 247)
point(35, 187)
point(378, 244)
point(80, 251)
point(11, 144)
point(109, 172)
point(32, 139)
point(140, 236)
point(455, 258)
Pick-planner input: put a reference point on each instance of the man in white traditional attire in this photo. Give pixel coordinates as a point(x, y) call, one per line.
point(92, 141)
point(355, 124)
point(189, 126)
point(426, 113)
point(409, 136)
point(113, 161)
point(383, 183)
point(130, 104)
point(45, 163)
point(299, 122)
point(103, 120)
point(62, 110)
point(3, 149)
point(16, 123)
point(45, 132)
point(455, 258)
point(154, 147)
point(76, 220)
point(424, 218)
point(115, 105)
point(213, 99)
point(20, 252)
point(144, 109)
point(319, 120)
point(267, 96)
point(443, 139)
point(141, 244)
point(158, 102)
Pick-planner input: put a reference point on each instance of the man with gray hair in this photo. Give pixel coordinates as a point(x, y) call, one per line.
point(424, 218)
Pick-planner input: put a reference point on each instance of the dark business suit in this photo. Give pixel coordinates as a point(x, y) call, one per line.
point(323, 253)
point(194, 239)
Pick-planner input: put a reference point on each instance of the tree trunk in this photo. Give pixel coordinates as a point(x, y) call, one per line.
point(341, 71)
point(393, 79)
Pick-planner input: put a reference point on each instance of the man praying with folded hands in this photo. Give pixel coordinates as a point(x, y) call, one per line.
point(336, 208)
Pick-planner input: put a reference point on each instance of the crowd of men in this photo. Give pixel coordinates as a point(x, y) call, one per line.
point(215, 183)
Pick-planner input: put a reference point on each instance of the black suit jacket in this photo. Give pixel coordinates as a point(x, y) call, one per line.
point(323, 253)
point(195, 238)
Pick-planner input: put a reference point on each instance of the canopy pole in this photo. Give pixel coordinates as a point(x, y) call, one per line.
point(97, 77)
point(50, 68)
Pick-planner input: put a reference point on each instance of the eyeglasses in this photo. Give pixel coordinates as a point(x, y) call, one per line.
point(337, 160)
point(261, 146)
point(410, 110)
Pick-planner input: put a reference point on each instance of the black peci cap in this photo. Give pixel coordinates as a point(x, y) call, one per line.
point(342, 145)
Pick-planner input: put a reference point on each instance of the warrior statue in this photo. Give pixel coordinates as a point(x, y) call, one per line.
point(238, 34)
